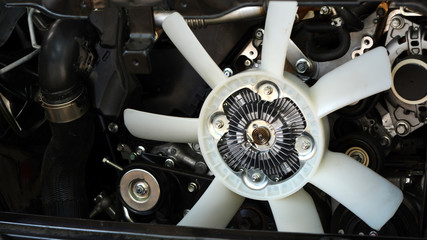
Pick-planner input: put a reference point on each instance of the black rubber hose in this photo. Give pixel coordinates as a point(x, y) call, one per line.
point(64, 165)
point(351, 21)
point(57, 59)
point(319, 52)
point(64, 162)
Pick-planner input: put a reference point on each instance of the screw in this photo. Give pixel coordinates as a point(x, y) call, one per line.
point(402, 128)
point(140, 150)
point(169, 163)
point(192, 187)
point(106, 161)
point(302, 66)
point(141, 189)
point(219, 124)
point(196, 147)
point(248, 63)
point(373, 233)
point(186, 211)
point(256, 177)
point(306, 144)
point(268, 90)
point(385, 141)
point(325, 10)
point(120, 147)
point(341, 231)
point(228, 72)
point(259, 34)
point(396, 23)
point(112, 127)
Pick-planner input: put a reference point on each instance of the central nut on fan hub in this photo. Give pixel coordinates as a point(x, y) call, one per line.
point(259, 134)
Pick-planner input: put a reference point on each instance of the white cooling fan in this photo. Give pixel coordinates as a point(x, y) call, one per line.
point(264, 134)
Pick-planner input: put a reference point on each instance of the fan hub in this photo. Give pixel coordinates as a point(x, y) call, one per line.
point(269, 141)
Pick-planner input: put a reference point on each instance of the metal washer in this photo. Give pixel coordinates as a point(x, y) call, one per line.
point(133, 176)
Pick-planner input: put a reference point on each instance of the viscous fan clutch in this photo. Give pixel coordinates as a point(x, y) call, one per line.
point(262, 134)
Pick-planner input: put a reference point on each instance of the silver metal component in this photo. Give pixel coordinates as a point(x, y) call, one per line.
point(295, 56)
point(140, 190)
point(305, 146)
point(192, 187)
point(113, 127)
point(68, 111)
point(385, 141)
point(337, 22)
point(140, 150)
point(183, 155)
point(219, 124)
point(186, 211)
point(244, 13)
point(169, 163)
point(255, 179)
point(228, 72)
point(373, 233)
point(268, 91)
point(397, 22)
point(402, 128)
point(127, 216)
point(415, 39)
point(108, 162)
point(259, 34)
point(325, 10)
point(103, 204)
point(30, 12)
point(341, 232)
point(302, 66)
point(366, 44)
point(251, 52)
point(261, 135)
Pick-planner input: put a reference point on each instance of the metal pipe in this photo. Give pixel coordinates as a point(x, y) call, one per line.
point(243, 13)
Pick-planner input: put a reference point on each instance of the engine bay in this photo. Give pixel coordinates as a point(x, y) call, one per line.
point(299, 117)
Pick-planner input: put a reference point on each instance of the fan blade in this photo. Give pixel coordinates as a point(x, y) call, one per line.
point(355, 80)
point(215, 208)
point(296, 213)
point(368, 195)
point(181, 35)
point(278, 27)
point(161, 127)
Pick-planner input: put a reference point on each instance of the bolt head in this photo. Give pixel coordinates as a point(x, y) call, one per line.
point(306, 144)
point(396, 23)
point(140, 150)
point(248, 63)
point(256, 177)
point(325, 10)
point(259, 34)
point(302, 66)
point(169, 163)
point(228, 72)
point(268, 90)
point(219, 124)
point(192, 187)
point(141, 190)
point(113, 128)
